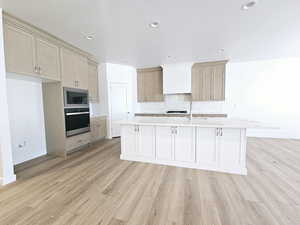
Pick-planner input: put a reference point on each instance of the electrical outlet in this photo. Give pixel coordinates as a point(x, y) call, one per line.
point(22, 145)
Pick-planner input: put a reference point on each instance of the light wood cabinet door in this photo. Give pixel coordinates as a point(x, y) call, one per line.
point(47, 56)
point(78, 141)
point(218, 82)
point(208, 81)
point(19, 51)
point(93, 83)
point(98, 128)
point(82, 73)
point(150, 85)
point(201, 83)
point(68, 68)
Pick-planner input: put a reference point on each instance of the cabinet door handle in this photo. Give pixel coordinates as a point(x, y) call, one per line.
point(40, 70)
point(218, 131)
point(36, 69)
point(172, 130)
point(175, 130)
point(221, 131)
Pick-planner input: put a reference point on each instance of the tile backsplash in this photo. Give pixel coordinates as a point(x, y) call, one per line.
point(182, 102)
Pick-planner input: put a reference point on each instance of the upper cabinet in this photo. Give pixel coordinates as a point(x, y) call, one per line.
point(150, 85)
point(93, 82)
point(34, 52)
point(26, 54)
point(82, 74)
point(208, 81)
point(48, 59)
point(19, 49)
point(68, 68)
point(74, 69)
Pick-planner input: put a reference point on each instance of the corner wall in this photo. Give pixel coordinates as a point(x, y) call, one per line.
point(6, 164)
point(26, 115)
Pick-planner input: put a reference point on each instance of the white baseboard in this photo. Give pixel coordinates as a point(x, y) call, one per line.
point(7, 180)
point(240, 170)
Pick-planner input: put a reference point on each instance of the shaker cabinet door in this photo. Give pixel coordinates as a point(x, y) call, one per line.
point(146, 141)
point(82, 72)
point(93, 83)
point(69, 68)
point(230, 148)
point(48, 59)
point(184, 144)
point(206, 146)
point(164, 143)
point(19, 51)
point(129, 140)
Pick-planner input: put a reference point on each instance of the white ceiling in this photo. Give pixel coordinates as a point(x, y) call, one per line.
point(190, 30)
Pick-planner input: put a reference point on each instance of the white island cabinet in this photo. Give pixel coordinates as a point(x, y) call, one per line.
point(216, 146)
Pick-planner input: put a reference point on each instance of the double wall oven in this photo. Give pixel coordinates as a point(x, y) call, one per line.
point(77, 112)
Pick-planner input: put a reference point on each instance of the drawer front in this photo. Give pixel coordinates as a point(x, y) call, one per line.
point(78, 141)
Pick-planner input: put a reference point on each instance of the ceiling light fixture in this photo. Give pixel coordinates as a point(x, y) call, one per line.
point(89, 37)
point(154, 25)
point(248, 5)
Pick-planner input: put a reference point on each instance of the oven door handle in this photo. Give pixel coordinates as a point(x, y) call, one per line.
point(77, 113)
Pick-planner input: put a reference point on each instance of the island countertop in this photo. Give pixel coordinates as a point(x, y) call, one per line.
point(198, 122)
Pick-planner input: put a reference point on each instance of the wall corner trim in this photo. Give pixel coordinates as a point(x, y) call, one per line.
point(7, 180)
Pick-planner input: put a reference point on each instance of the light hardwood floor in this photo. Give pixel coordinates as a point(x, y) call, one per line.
point(96, 187)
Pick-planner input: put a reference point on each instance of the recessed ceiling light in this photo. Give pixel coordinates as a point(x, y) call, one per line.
point(248, 5)
point(89, 37)
point(154, 25)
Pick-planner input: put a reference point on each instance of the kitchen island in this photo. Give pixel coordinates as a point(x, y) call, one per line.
point(209, 144)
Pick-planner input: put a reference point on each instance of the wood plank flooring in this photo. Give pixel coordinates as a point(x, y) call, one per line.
point(94, 187)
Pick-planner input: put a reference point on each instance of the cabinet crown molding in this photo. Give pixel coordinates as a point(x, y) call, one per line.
point(214, 63)
point(152, 69)
point(38, 32)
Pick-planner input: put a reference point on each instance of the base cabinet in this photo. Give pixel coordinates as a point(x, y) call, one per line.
point(221, 148)
point(164, 143)
point(216, 149)
point(206, 147)
point(231, 154)
point(138, 141)
point(184, 144)
point(76, 142)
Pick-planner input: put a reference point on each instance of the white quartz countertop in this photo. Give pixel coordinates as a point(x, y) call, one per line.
point(198, 122)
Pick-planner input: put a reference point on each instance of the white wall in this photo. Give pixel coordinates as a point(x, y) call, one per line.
point(6, 165)
point(110, 73)
point(26, 115)
point(265, 91)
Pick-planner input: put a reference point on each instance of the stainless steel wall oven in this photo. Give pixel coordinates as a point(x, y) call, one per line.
point(77, 121)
